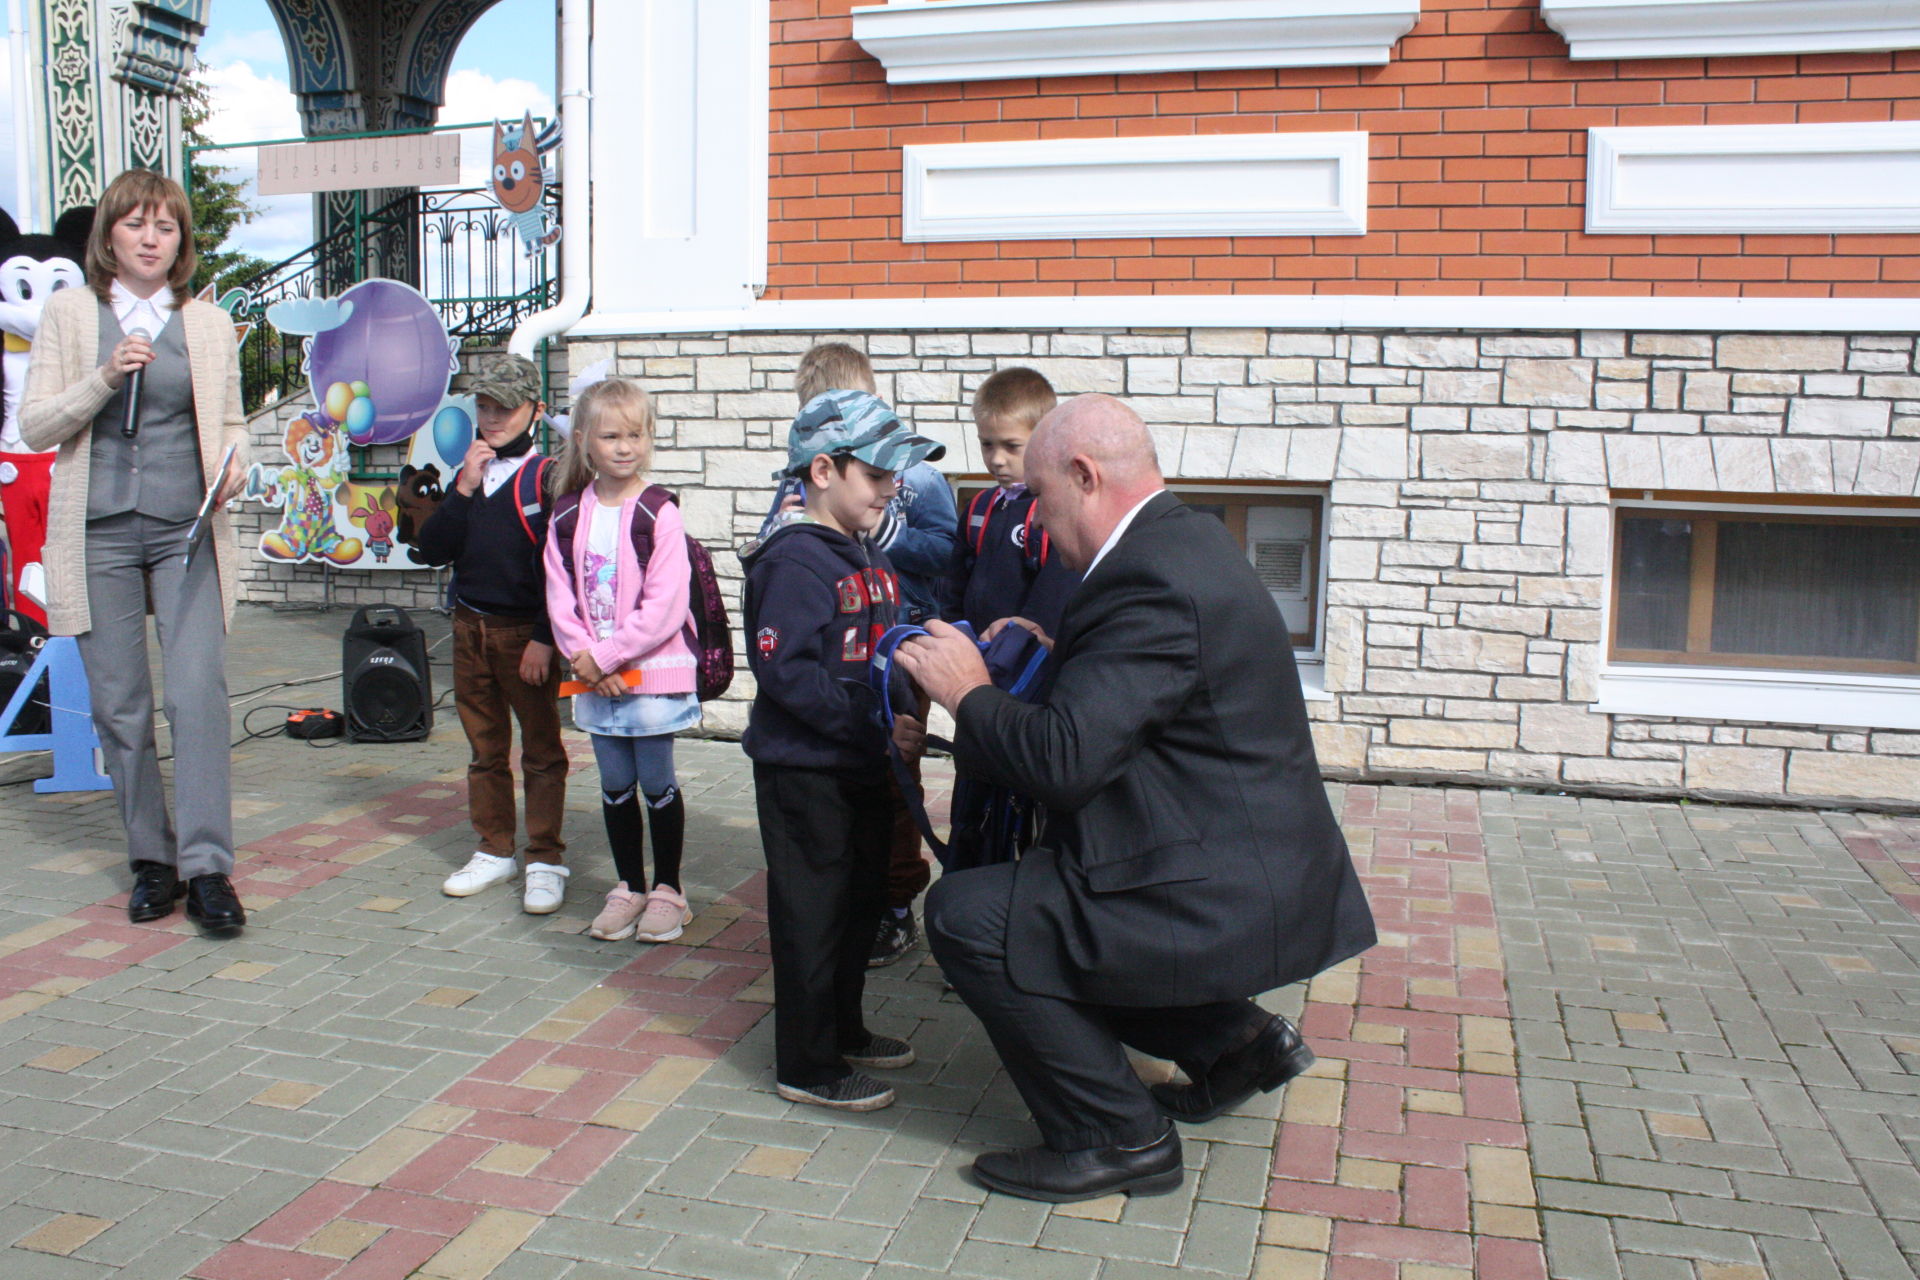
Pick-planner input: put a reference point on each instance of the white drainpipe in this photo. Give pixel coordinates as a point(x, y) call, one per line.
point(25, 201)
point(576, 192)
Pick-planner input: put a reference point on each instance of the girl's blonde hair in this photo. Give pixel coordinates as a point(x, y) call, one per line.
point(628, 403)
point(132, 191)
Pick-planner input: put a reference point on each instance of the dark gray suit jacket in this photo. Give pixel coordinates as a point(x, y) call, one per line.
point(1190, 854)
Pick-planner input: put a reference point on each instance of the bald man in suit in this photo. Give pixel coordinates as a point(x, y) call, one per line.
point(1189, 861)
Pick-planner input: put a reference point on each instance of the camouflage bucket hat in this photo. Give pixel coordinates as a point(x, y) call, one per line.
point(856, 423)
point(510, 381)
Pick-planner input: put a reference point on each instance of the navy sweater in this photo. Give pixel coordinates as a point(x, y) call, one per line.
point(496, 566)
point(1013, 573)
point(816, 601)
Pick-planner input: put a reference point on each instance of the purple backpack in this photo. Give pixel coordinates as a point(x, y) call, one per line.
point(709, 634)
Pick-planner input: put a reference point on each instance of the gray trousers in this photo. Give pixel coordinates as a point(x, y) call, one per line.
point(122, 552)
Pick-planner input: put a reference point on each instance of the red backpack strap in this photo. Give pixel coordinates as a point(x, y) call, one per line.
point(529, 505)
point(977, 533)
point(1039, 555)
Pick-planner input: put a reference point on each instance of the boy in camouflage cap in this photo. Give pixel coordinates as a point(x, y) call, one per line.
point(818, 595)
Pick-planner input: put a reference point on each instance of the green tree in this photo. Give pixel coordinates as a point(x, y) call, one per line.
point(220, 203)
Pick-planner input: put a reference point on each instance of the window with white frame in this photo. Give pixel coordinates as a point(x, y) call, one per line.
point(1282, 531)
point(1797, 589)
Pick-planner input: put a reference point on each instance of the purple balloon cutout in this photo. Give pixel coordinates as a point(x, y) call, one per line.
point(396, 344)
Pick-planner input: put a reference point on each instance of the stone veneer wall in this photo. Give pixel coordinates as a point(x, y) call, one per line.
point(1469, 479)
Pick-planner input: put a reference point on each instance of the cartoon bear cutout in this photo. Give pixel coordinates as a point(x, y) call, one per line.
point(419, 493)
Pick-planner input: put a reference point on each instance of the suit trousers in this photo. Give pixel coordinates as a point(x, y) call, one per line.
point(825, 836)
point(907, 871)
point(1068, 1059)
point(124, 553)
point(490, 696)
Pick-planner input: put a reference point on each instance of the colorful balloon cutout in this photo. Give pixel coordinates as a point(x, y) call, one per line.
point(361, 417)
point(452, 435)
point(393, 342)
point(339, 397)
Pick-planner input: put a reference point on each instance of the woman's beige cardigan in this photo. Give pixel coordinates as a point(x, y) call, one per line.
point(66, 390)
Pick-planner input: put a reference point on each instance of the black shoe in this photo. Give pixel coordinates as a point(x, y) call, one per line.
point(881, 1053)
point(212, 901)
point(851, 1092)
point(1274, 1056)
point(1061, 1177)
point(895, 937)
point(156, 887)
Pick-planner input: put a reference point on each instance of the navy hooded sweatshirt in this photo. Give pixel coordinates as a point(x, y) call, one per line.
point(816, 601)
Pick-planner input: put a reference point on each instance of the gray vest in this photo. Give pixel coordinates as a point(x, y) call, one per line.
point(158, 472)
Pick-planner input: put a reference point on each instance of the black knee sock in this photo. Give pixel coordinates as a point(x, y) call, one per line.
point(667, 818)
point(622, 812)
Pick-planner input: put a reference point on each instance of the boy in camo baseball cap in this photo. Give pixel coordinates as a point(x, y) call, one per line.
point(856, 424)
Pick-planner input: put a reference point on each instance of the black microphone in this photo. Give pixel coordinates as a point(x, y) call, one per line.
point(130, 424)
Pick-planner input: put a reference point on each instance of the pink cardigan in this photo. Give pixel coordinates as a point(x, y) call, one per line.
point(651, 605)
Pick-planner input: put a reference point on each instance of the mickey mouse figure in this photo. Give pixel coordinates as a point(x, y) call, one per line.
point(32, 268)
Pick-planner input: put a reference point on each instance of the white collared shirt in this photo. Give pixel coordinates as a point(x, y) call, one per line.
point(1119, 529)
point(134, 312)
point(500, 470)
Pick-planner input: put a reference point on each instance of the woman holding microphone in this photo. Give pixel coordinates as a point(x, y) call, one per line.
point(139, 387)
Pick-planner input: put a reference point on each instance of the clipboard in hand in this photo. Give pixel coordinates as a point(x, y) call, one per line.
point(202, 525)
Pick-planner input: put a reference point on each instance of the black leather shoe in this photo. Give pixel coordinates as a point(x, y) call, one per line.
point(156, 887)
point(1274, 1056)
point(212, 901)
point(1062, 1177)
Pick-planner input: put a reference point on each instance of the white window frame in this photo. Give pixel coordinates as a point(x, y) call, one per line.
point(1749, 694)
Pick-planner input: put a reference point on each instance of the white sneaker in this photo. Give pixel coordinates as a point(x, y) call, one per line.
point(546, 888)
point(482, 871)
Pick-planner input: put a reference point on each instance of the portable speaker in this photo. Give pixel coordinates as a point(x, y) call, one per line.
point(20, 641)
point(385, 685)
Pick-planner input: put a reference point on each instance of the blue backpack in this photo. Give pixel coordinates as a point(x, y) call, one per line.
point(989, 824)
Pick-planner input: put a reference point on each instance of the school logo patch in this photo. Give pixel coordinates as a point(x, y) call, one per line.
point(853, 645)
point(768, 639)
point(853, 593)
point(1020, 535)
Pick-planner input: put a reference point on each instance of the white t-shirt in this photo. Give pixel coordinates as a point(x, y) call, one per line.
point(601, 561)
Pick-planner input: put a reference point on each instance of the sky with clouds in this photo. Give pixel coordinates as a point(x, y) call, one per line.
point(503, 67)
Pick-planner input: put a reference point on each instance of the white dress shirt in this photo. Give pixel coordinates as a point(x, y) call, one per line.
point(1119, 529)
point(133, 312)
point(500, 470)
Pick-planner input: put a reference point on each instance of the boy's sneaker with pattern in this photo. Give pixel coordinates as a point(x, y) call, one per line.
point(893, 939)
point(882, 1053)
point(483, 871)
point(851, 1092)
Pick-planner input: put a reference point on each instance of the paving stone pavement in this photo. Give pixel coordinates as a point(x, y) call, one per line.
point(1597, 1039)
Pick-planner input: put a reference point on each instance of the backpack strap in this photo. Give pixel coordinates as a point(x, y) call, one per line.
point(646, 512)
point(562, 524)
point(1035, 559)
point(530, 505)
point(977, 520)
point(879, 672)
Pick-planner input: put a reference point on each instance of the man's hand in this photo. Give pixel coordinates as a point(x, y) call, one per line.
point(1002, 624)
point(909, 736)
point(231, 481)
point(944, 663)
point(474, 469)
point(536, 661)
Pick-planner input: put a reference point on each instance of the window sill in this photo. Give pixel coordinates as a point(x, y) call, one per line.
point(1313, 679)
point(921, 42)
point(1770, 697)
point(1718, 28)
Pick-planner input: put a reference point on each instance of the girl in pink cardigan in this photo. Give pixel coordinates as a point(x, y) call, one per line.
point(622, 626)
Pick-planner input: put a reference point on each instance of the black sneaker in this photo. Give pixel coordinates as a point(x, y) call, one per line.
point(883, 1053)
point(851, 1092)
point(894, 938)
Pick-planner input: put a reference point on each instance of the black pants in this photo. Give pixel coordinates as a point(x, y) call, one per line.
point(825, 837)
point(1066, 1057)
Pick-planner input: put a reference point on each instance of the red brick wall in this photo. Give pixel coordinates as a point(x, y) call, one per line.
point(1478, 131)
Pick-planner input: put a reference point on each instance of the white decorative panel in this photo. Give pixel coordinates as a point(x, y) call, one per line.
point(1232, 184)
point(996, 39)
point(680, 119)
point(1762, 177)
point(1710, 28)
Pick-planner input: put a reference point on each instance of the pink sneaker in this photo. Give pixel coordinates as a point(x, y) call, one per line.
point(616, 919)
point(666, 915)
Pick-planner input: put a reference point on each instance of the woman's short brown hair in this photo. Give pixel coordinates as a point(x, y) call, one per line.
point(132, 191)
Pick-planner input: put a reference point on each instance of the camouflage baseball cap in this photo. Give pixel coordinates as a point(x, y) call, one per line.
point(856, 423)
point(510, 381)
